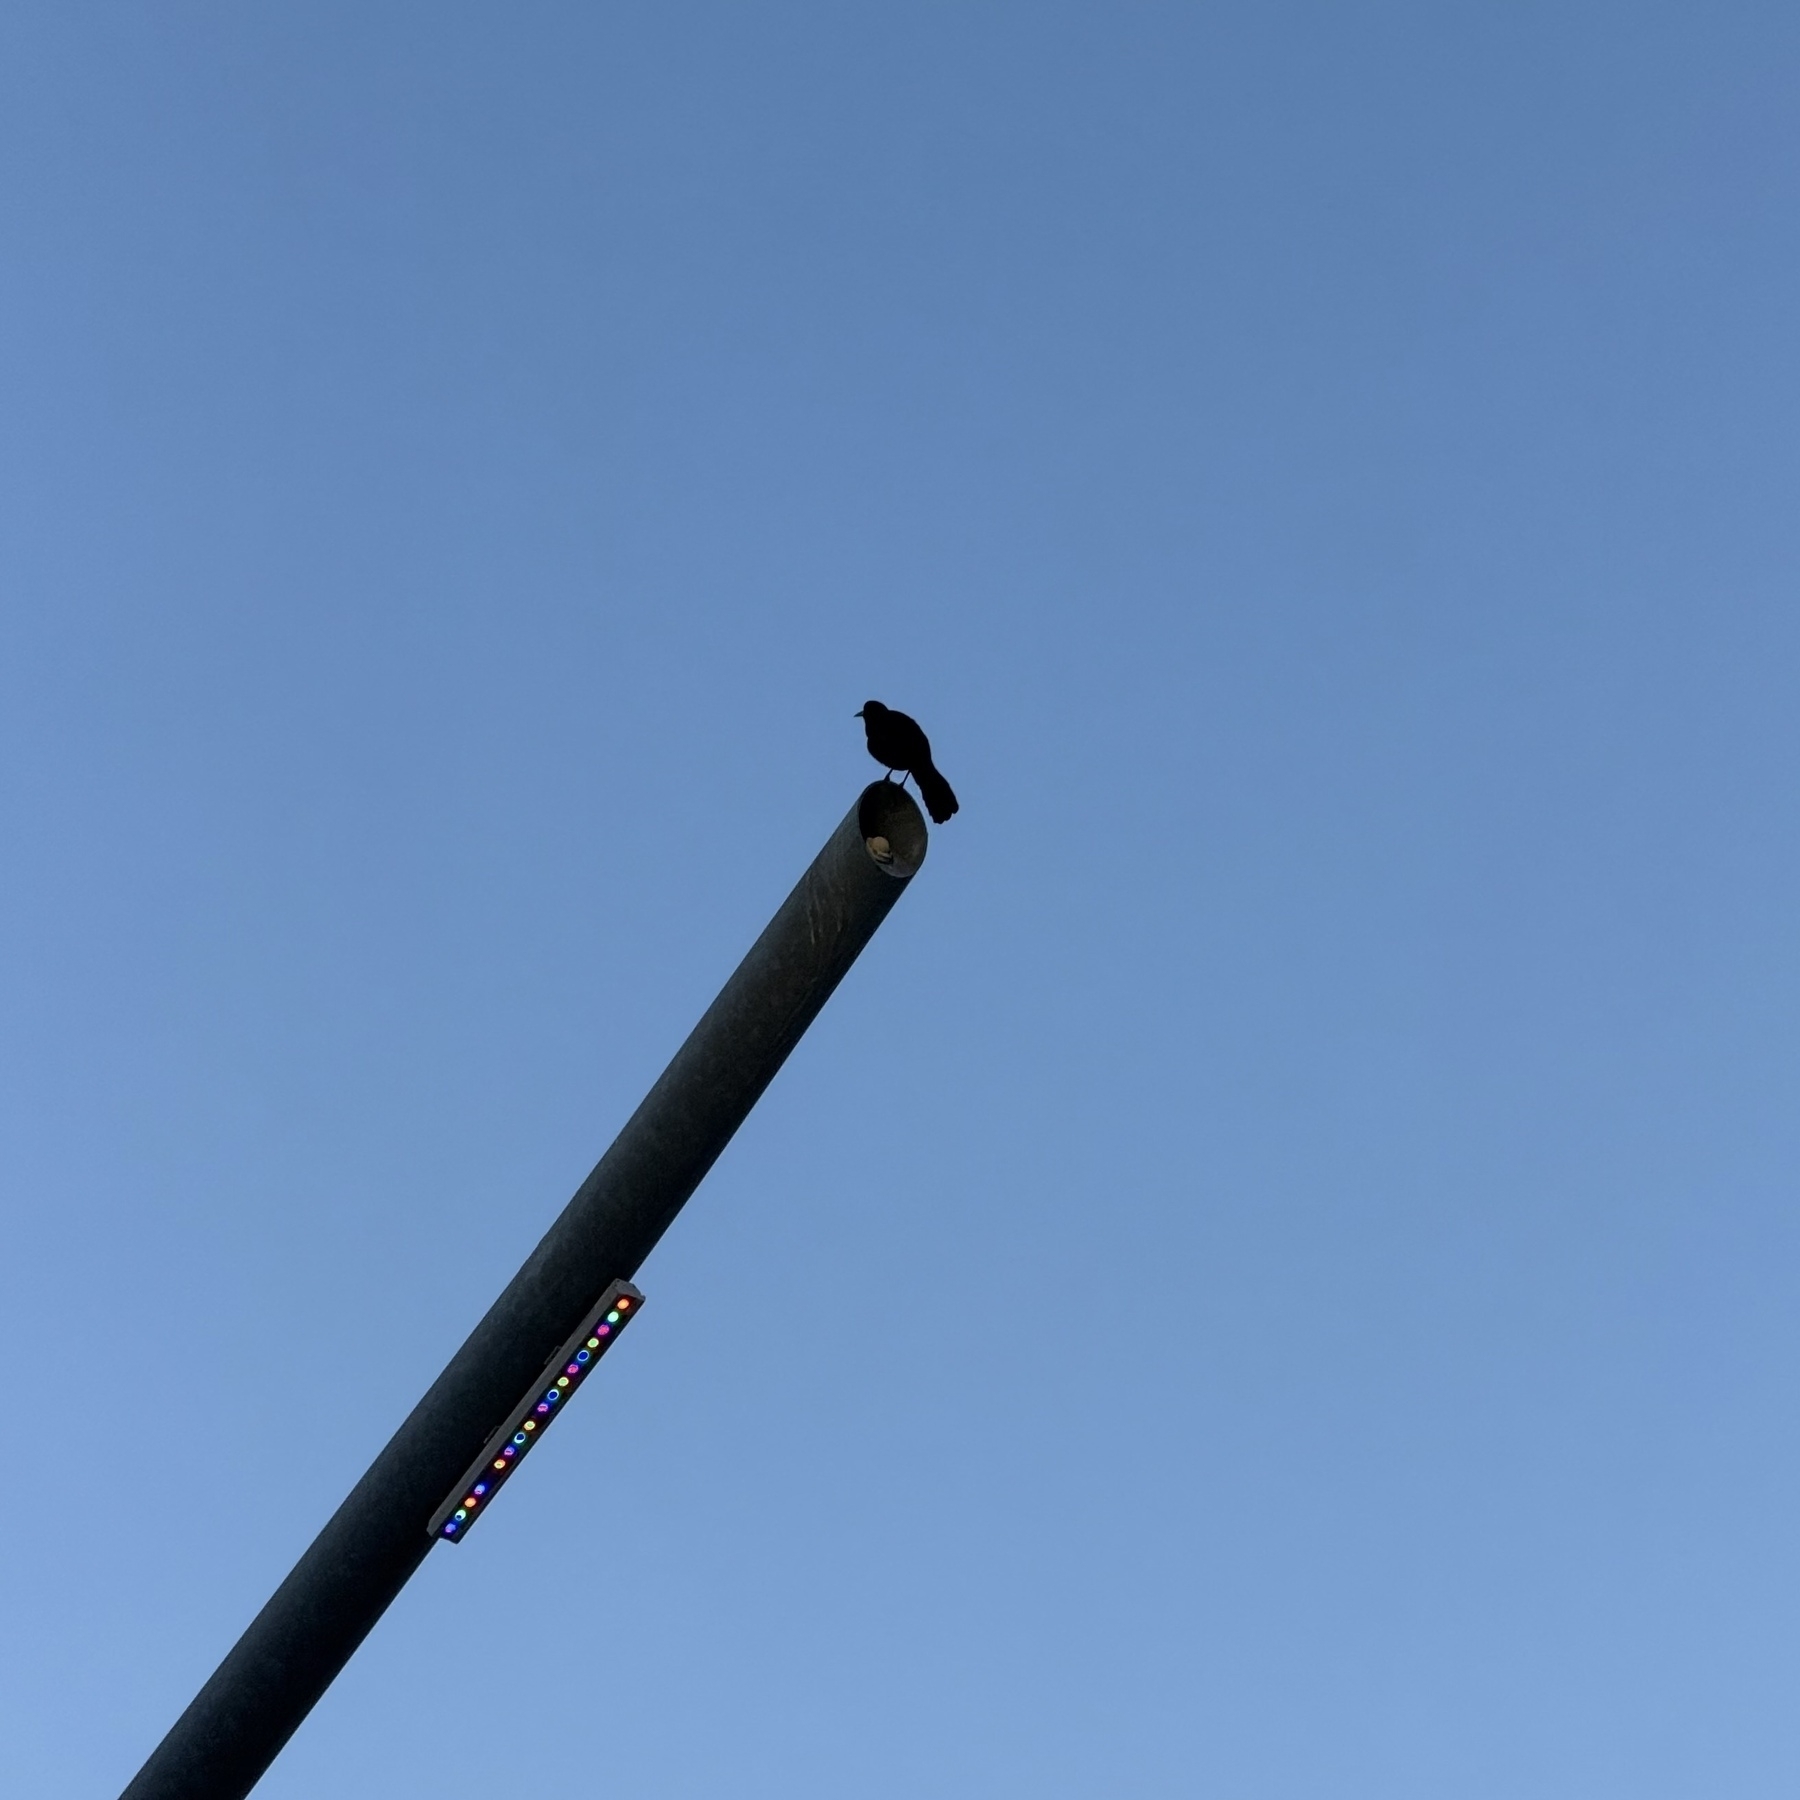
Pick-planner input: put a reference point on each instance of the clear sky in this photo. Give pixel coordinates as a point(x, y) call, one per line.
point(1276, 1275)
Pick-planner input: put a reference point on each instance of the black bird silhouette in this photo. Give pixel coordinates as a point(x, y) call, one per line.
point(896, 742)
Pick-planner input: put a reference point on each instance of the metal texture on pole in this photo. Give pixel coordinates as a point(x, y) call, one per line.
point(219, 1748)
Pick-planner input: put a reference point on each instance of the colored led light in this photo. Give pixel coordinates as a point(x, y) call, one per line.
point(514, 1437)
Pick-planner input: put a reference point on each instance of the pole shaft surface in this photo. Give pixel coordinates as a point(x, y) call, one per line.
point(219, 1748)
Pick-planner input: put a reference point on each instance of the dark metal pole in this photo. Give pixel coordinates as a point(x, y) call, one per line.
point(237, 1724)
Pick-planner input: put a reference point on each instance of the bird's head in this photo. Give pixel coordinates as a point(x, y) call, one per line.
point(871, 709)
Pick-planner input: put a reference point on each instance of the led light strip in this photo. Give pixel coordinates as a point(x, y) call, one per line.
point(533, 1415)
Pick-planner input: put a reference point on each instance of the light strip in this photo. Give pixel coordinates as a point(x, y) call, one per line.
point(533, 1416)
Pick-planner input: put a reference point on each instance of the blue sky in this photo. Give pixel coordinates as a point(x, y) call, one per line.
point(1276, 1275)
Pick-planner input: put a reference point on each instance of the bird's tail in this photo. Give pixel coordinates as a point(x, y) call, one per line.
point(935, 791)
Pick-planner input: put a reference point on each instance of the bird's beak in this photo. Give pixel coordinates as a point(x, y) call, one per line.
point(857, 714)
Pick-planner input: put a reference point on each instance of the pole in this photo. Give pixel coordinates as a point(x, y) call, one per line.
point(220, 1747)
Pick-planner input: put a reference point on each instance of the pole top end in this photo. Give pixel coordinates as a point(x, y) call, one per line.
point(893, 829)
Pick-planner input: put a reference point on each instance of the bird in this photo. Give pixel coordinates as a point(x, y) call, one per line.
point(896, 742)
